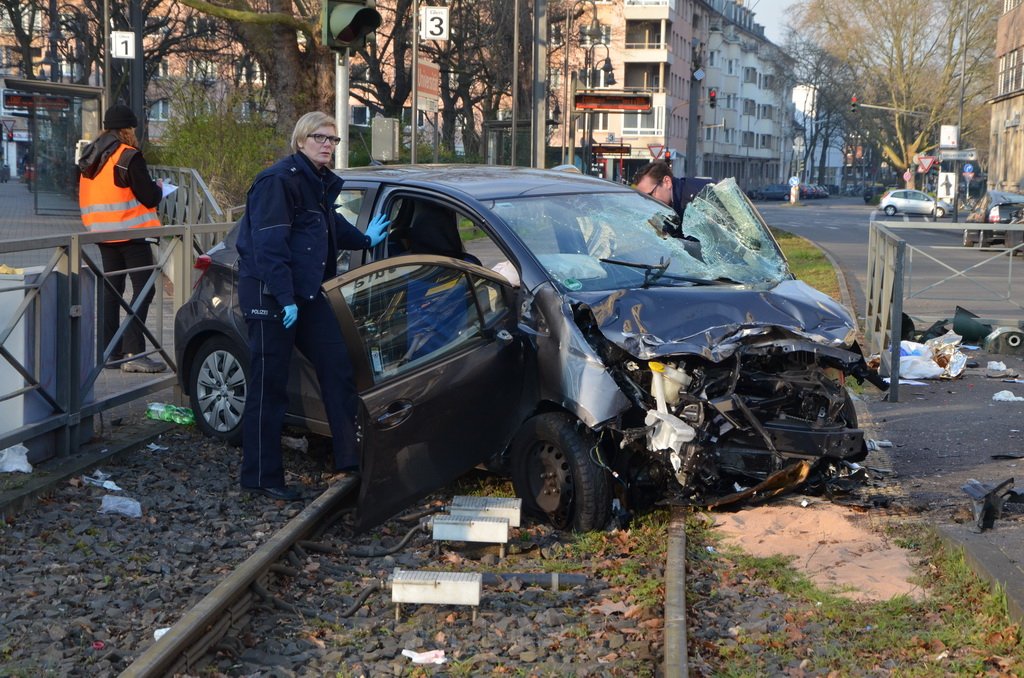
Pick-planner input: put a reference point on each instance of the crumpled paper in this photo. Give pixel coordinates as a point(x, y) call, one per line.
point(1006, 397)
point(428, 657)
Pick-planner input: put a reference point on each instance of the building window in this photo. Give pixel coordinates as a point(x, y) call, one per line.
point(731, 65)
point(637, 124)
point(747, 140)
point(605, 39)
point(749, 75)
point(160, 111)
point(162, 71)
point(713, 58)
point(766, 141)
point(201, 69)
point(749, 107)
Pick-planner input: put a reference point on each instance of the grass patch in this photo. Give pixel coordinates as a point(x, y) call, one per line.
point(960, 628)
point(808, 263)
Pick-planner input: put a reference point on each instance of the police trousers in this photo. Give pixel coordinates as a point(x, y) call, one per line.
point(317, 335)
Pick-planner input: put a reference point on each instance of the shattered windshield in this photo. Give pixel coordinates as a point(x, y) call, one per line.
point(606, 241)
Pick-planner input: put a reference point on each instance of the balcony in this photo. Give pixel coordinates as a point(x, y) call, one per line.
point(648, 9)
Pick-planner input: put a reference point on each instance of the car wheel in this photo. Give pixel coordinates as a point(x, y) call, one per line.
point(218, 383)
point(939, 212)
point(968, 239)
point(890, 210)
point(556, 476)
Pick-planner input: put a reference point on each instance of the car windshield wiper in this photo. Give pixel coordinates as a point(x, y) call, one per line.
point(656, 272)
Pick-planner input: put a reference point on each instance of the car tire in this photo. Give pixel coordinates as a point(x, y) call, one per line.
point(939, 212)
point(968, 239)
point(556, 476)
point(218, 382)
point(890, 210)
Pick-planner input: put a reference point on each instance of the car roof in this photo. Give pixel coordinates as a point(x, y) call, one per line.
point(484, 182)
point(999, 197)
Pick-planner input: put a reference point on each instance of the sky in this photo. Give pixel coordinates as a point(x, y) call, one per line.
point(772, 15)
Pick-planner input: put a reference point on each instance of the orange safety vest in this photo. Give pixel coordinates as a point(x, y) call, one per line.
point(108, 207)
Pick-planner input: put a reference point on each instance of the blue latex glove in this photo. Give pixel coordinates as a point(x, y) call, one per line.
point(377, 229)
point(291, 314)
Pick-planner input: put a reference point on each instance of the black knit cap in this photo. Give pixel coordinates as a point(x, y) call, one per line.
point(119, 116)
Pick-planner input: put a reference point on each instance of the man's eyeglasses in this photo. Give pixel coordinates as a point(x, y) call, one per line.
point(650, 193)
point(324, 138)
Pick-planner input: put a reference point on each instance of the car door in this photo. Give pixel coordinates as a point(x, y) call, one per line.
point(439, 373)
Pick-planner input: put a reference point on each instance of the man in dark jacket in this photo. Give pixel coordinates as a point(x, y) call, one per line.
point(655, 179)
point(288, 244)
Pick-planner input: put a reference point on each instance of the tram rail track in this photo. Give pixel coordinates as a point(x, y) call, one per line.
point(191, 643)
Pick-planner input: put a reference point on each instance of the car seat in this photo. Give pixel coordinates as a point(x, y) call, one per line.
point(434, 229)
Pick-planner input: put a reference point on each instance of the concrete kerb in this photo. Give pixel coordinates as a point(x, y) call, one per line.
point(48, 475)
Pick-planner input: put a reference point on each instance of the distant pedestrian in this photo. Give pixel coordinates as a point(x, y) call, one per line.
point(288, 244)
point(116, 193)
point(5, 173)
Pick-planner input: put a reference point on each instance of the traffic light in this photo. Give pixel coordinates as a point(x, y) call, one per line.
point(10, 136)
point(853, 104)
point(346, 23)
point(712, 98)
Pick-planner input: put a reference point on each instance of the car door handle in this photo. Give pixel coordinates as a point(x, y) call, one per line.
point(396, 413)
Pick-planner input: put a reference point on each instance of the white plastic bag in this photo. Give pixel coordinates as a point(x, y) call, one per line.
point(123, 505)
point(15, 458)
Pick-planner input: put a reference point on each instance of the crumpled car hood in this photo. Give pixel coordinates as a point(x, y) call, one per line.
point(711, 321)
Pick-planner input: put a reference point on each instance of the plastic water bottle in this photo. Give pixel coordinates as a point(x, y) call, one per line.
point(165, 412)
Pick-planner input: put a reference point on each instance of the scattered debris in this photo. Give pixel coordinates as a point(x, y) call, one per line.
point(939, 357)
point(1006, 397)
point(296, 444)
point(429, 657)
point(874, 445)
point(987, 500)
point(153, 447)
point(159, 633)
point(100, 479)
point(122, 505)
point(1005, 340)
point(997, 370)
point(15, 459)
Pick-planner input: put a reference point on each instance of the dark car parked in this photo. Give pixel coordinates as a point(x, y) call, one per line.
point(995, 207)
point(606, 360)
point(772, 192)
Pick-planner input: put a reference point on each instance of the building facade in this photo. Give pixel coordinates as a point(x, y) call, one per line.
point(1006, 160)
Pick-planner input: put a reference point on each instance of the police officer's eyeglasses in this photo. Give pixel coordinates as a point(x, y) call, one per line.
point(324, 138)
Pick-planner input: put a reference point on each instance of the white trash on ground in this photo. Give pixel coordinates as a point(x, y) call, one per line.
point(429, 657)
point(937, 358)
point(100, 481)
point(1007, 397)
point(122, 505)
point(15, 459)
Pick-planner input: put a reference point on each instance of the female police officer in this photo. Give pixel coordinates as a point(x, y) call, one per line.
point(288, 243)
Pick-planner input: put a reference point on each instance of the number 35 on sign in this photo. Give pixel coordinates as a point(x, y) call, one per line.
point(434, 23)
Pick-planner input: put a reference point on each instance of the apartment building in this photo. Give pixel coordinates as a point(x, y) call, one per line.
point(676, 51)
point(1006, 159)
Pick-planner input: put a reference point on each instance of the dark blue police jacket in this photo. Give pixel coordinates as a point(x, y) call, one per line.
point(289, 238)
point(684, 189)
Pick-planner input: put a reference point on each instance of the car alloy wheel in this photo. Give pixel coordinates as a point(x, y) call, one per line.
point(218, 384)
point(939, 212)
point(890, 210)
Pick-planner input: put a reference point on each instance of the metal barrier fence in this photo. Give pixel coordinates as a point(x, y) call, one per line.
point(52, 380)
point(892, 288)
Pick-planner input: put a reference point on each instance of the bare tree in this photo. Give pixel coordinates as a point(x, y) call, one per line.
point(906, 58)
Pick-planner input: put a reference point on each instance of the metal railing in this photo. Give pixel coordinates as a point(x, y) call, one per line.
point(191, 203)
point(50, 353)
point(894, 288)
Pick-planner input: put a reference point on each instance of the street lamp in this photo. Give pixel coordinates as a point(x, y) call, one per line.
point(593, 31)
point(591, 75)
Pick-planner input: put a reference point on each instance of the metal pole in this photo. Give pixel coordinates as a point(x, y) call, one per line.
point(515, 80)
point(52, 52)
point(960, 114)
point(588, 121)
point(540, 84)
point(107, 89)
point(415, 80)
point(341, 90)
point(138, 89)
point(567, 112)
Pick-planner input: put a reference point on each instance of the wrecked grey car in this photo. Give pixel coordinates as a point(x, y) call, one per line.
point(567, 331)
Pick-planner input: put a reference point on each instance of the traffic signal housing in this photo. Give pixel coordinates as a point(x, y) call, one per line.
point(712, 98)
point(346, 23)
point(853, 104)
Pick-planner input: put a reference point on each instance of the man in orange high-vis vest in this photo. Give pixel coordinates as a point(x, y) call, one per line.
point(116, 193)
